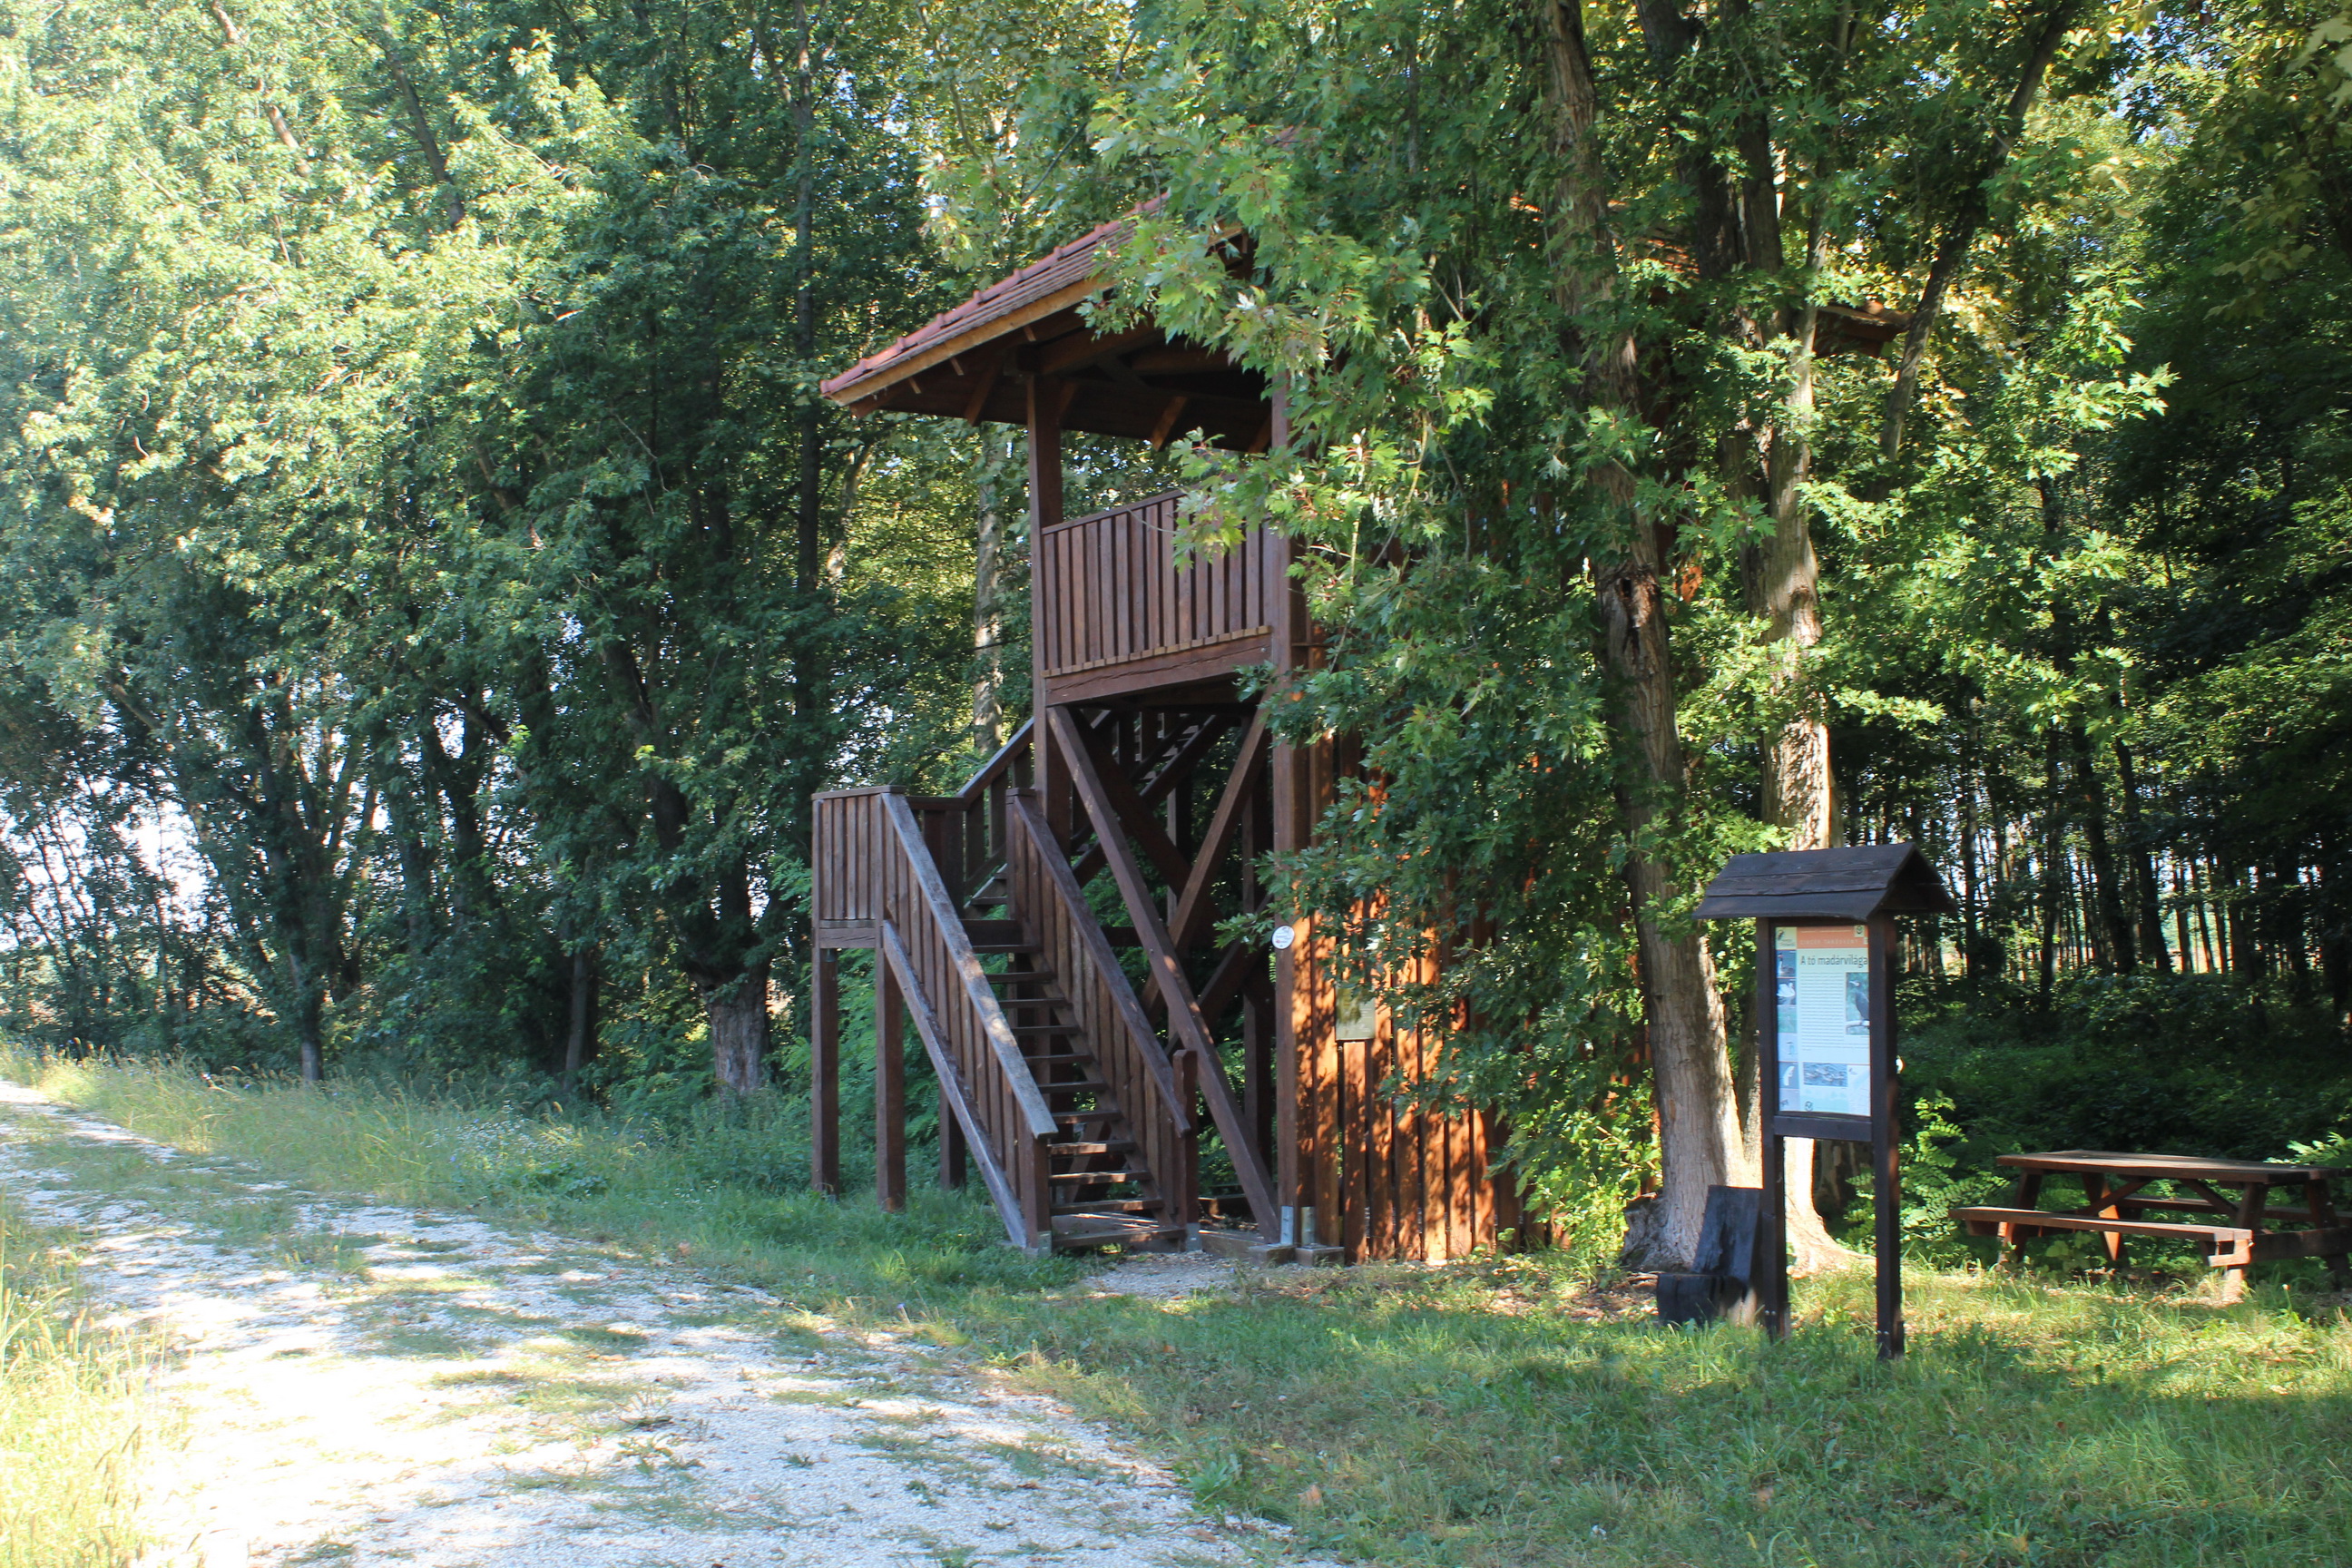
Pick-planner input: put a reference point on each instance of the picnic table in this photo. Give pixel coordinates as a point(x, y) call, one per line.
point(2236, 1194)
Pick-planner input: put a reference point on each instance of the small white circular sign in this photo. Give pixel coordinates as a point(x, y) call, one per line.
point(1283, 937)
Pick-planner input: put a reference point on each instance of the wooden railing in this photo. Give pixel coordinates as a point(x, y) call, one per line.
point(965, 831)
point(846, 858)
point(1108, 590)
point(1152, 1090)
point(1188, 1030)
point(984, 1080)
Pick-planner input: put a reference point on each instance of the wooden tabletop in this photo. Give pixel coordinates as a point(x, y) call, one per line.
point(2186, 1167)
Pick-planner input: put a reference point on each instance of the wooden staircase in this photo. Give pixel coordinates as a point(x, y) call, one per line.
point(1055, 1078)
point(1101, 1189)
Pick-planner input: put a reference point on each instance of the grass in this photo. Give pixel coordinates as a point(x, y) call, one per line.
point(1485, 1415)
point(74, 1426)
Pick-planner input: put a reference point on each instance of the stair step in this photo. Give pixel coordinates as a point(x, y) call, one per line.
point(1105, 1178)
point(1109, 1146)
point(1031, 1000)
point(1007, 947)
point(1049, 1029)
point(1061, 1059)
point(1075, 1232)
point(1084, 1086)
point(1108, 1206)
point(1020, 976)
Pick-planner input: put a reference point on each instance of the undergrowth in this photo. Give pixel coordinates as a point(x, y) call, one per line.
point(1487, 1414)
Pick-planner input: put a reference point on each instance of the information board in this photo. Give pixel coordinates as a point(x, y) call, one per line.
point(1822, 978)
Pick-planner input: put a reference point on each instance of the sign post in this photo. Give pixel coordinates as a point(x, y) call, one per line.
point(1825, 1025)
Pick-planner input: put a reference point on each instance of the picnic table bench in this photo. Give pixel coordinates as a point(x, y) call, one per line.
point(2116, 1196)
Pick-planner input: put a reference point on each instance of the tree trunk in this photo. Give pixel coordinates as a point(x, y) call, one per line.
point(738, 1032)
point(2053, 858)
point(2238, 910)
point(2115, 933)
point(580, 1040)
point(1952, 251)
point(310, 1023)
point(2143, 864)
point(1971, 876)
point(2336, 936)
point(1797, 761)
point(988, 603)
point(1699, 1141)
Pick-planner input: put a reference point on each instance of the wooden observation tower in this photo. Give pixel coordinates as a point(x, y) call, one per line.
point(1228, 1088)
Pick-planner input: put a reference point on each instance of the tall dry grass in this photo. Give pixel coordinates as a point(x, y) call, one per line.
point(75, 1418)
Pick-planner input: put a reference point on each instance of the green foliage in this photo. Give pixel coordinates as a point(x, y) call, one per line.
point(432, 584)
point(2185, 1064)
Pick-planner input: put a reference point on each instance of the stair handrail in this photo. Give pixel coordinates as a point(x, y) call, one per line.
point(953, 1091)
point(996, 766)
point(964, 835)
point(949, 925)
point(1185, 1020)
point(1089, 934)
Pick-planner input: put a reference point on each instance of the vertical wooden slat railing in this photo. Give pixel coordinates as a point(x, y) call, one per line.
point(1109, 590)
point(1152, 1090)
point(1005, 1119)
point(1187, 1028)
point(846, 851)
point(966, 829)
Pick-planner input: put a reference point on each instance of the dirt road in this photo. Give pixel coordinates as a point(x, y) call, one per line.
point(356, 1384)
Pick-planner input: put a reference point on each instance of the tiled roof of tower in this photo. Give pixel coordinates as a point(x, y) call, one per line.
point(1056, 282)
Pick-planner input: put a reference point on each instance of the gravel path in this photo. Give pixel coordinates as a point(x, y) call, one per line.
point(360, 1385)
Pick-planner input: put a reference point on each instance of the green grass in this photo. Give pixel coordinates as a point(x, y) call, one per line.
point(1489, 1413)
point(74, 1426)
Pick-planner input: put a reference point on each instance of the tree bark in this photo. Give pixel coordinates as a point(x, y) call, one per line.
point(2115, 929)
point(1699, 1140)
point(2053, 860)
point(580, 1039)
point(310, 1008)
point(234, 36)
point(2336, 936)
point(1796, 793)
point(987, 579)
point(420, 123)
point(2143, 864)
point(738, 1031)
point(1698, 1133)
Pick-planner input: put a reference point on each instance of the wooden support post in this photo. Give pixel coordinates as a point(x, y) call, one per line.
point(1257, 1052)
point(1291, 819)
point(2252, 1201)
point(951, 1152)
point(825, 1071)
point(2321, 1207)
point(1886, 1182)
point(889, 1090)
point(1772, 1268)
point(1045, 412)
